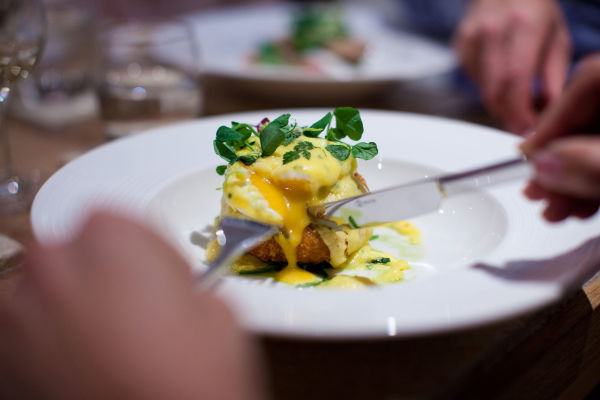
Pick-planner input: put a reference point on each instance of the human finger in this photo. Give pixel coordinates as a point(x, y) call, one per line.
point(524, 49)
point(533, 191)
point(570, 166)
point(558, 207)
point(493, 65)
point(574, 112)
point(555, 65)
point(466, 44)
point(586, 208)
point(143, 252)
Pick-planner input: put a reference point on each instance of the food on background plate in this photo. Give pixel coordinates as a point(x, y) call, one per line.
point(275, 170)
point(313, 29)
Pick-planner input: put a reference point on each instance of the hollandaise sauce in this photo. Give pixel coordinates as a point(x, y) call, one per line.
point(291, 205)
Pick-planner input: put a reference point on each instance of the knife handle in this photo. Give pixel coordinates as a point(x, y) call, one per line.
point(505, 171)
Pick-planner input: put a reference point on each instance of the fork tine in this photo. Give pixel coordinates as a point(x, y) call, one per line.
point(235, 236)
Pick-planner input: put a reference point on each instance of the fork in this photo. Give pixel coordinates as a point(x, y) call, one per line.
point(235, 236)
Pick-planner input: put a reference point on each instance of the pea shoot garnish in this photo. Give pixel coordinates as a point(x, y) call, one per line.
point(239, 142)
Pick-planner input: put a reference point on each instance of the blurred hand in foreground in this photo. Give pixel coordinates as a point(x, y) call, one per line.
point(114, 315)
point(565, 148)
point(505, 46)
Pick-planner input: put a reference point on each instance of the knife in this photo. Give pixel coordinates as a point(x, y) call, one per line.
point(409, 200)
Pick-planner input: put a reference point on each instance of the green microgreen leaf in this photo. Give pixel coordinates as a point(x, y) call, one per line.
point(247, 160)
point(318, 127)
point(221, 169)
point(302, 146)
point(272, 135)
point(311, 284)
point(374, 237)
point(332, 135)
point(352, 222)
point(364, 150)
point(339, 151)
point(383, 260)
point(225, 134)
point(317, 269)
point(269, 53)
point(225, 151)
point(246, 130)
point(263, 270)
point(348, 123)
point(290, 156)
point(289, 138)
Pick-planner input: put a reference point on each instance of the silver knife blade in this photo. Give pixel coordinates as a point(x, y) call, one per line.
point(409, 200)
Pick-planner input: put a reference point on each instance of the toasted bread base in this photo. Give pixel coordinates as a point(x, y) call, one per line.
point(311, 250)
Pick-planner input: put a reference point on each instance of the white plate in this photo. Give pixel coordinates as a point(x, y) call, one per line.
point(489, 254)
point(228, 38)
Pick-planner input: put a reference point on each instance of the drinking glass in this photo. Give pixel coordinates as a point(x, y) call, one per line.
point(148, 75)
point(60, 92)
point(22, 36)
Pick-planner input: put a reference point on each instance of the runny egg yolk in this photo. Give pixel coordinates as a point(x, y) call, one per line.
point(290, 202)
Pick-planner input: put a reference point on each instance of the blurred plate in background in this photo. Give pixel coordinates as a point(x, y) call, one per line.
point(230, 37)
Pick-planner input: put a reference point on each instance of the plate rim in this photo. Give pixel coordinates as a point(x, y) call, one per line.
point(287, 331)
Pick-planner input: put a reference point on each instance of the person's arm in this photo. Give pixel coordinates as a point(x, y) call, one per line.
point(565, 148)
point(115, 315)
point(505, 46)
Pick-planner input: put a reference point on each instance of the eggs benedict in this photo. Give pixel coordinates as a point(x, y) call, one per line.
point(278, 169)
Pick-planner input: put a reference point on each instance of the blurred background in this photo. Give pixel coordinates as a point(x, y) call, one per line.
point(401, 59)
point(111, 68)
point(70, 84)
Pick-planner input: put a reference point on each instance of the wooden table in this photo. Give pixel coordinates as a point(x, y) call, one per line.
point(553, 353)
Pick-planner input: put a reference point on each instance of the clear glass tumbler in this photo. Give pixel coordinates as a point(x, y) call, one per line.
point(148, 75)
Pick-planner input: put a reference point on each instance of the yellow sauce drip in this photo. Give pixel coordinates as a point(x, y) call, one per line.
point(407, 229)
point(290, 203)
